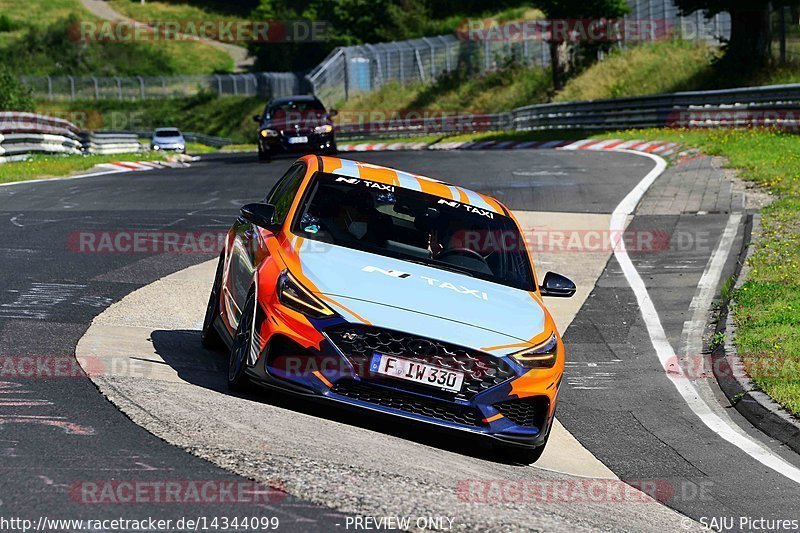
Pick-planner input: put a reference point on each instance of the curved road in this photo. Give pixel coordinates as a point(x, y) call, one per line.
point(56, 432)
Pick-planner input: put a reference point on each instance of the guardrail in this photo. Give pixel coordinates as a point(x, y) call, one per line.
point(22, 134)
point(444, 124)
point(775, 105)
point(110, 142)
point(770, 106)
point(208, 140)
point(25, 134)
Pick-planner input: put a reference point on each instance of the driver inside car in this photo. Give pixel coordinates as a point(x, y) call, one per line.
point(358, 217)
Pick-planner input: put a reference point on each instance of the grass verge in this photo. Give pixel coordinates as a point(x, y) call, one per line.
point(53, 166)
point(497, 91)
point(178, 11)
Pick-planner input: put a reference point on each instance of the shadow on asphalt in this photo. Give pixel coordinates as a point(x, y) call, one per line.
point(181, 349)
point(249, 158)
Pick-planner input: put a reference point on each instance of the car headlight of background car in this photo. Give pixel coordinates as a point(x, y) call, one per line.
point(296, 297)
point(327, 128)
point(541, 356)
point(269, 133)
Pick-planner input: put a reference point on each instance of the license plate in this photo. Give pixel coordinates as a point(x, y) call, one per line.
point(434, 376)
point(298, 140)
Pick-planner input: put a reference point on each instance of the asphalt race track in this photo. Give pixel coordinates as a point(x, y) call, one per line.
point(59, 432)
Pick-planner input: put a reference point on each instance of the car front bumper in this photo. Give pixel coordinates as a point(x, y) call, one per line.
point(168, 147)
point(518, 410)
point(317, 142)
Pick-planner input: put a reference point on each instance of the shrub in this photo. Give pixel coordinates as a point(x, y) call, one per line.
point(14, 96)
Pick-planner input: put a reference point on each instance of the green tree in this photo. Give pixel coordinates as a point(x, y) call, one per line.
point(13, 95)
point(560, 58)
point(750, 39)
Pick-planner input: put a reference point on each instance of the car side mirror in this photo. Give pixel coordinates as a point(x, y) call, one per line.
point(557, 286)
point(262, 215)
point(333, 112)
point(257, 118)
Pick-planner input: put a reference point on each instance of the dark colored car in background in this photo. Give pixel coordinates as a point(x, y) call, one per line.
point(295, 125)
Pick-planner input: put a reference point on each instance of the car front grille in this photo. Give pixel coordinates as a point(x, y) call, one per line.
point(525, 412)
point(358, 343)
point(409, 403)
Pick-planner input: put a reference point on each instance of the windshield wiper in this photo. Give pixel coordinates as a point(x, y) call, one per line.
point(441, 265)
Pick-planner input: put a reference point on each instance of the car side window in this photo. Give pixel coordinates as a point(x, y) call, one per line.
point(284, 193)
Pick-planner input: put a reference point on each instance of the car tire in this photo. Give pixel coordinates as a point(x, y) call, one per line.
point(263, 157)
point(210, 337)
point(242, 344)
point(525, 455)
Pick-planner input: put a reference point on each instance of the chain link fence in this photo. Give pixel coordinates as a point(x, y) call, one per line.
point(263, 84)
point(358, 69)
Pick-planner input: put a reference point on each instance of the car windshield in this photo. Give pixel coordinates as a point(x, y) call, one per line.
point(168, 133)
point(414, 226)
point(309, 113)
point(302, 106)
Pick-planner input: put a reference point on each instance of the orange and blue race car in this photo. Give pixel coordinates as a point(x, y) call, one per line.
point(395, 293)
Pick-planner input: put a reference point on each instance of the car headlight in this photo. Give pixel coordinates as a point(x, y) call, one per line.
point(327, 128)
point(156, 147)
point(269, 133)
point(541, 356)
point(294, 296)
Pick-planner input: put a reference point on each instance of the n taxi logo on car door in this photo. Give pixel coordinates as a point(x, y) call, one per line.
point(430, 281)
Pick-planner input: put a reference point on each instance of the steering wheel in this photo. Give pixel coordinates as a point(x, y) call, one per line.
point(461, 251)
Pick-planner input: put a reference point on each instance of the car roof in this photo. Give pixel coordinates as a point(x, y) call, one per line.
point(406, 180)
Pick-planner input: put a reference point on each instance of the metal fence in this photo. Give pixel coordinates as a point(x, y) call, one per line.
point(358, 69)
point(695, 27)
point(263, 84)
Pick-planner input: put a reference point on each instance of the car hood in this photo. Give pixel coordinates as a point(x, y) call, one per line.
point(403, 296)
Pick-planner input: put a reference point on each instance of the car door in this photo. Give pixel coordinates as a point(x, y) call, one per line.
point(249, 243)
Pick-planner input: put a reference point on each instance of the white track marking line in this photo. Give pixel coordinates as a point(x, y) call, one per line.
point(664, 349)
point(693, 329)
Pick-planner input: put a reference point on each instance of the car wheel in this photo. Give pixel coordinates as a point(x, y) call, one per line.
point(210, 337)
point(242, 345)
point(525, 455)
point(263, 156)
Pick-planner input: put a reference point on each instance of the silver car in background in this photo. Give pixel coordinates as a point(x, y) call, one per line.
point(168, 139)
